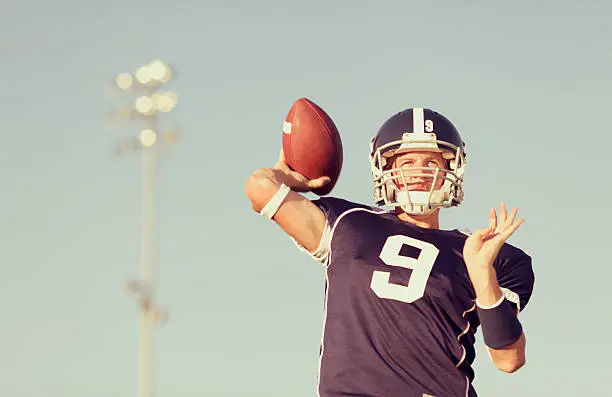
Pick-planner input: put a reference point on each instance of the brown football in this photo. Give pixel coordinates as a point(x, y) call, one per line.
point(312, 144)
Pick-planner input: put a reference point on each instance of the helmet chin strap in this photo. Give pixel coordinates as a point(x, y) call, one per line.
point(418, 203)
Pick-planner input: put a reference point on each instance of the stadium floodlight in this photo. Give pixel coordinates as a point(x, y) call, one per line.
point(145, 108)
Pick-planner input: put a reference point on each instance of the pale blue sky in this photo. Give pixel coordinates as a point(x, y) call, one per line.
point(528, 85)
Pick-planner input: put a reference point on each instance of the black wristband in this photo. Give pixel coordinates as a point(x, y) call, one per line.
point(500, 325)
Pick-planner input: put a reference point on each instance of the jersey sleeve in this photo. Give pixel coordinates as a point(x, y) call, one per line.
point(333, 208)
point(516, 277)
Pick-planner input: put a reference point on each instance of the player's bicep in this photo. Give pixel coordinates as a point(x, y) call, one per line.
point(301, 219)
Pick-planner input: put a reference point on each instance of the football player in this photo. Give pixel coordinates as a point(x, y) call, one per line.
point(403, 297)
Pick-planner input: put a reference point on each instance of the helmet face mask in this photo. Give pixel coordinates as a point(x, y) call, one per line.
point(417, 130)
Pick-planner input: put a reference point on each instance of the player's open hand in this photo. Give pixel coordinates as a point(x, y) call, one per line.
point(482, 247)
point(297, 181)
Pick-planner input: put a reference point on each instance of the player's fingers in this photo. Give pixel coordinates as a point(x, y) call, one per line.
point(481, 234)
point(283, 167)
point(503, 214)
point(492, 220)
point(511, 218)
point(319, 182)
point(281, 164)
point(510, 230)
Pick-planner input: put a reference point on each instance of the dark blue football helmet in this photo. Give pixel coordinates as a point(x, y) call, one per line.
point(417, 129)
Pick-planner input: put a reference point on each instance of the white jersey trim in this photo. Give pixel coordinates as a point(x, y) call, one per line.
point(493, 306)
point(512, 297)
point(321, 254)
point(465, 331)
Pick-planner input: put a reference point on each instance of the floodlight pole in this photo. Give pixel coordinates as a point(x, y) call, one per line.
point(148, 105)
point(147, 267)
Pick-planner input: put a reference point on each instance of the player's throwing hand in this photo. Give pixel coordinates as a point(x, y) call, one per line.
point(297, 181)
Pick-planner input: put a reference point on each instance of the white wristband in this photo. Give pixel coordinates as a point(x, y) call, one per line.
point(275, 202)
point(493, 306)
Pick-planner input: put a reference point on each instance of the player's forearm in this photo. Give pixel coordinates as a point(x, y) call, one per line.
point(510, 358)
point(486, 286)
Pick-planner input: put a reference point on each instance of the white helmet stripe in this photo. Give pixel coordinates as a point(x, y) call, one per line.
point(418, 121)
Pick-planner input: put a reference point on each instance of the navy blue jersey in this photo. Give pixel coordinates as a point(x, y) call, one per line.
point(400, 313)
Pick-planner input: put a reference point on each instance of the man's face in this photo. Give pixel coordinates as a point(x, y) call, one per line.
point(408, 161)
